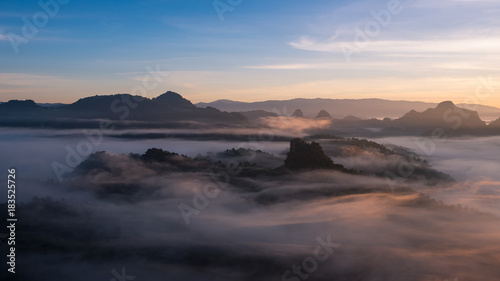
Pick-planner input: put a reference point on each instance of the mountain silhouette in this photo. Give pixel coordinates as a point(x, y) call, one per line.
point(495, 124)
point(298, 113)
point(17, 110)
point(352, 118)
point(172, 99)
point(168, 107)
point(323, 114)
point(19, 105)
point(445, 115)
point(256, 114)
point(305, 156)
point(362, 108)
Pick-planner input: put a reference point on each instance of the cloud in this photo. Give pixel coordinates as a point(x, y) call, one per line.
point(234, 236)
point(288, 66)
point(317, 66)
point(294, 126)
point(258, 227)
point(472, 46)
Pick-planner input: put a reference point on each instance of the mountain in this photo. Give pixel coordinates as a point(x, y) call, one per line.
point(323, 114)
point(168, 107)
point(256, 114)
point(16, 110)
point(352, 118)
point(495, 124)
point(362, 108)
point(298, 113)
point(174, 100)
point(445, 115)
point(305, 156)
point(14, 105)
point(51, 105)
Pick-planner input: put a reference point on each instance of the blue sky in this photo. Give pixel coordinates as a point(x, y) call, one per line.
point(426, 50)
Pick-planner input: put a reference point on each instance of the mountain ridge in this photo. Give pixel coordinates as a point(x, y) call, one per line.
point(339, 108)
point(168, 107)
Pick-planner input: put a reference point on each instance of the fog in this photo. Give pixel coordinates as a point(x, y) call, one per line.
point(252, 228)
point(32, 152)
point(472, 161)
point(472, 158)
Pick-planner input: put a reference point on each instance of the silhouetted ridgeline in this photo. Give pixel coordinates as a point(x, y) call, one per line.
point(446, 119)
point(169, 107)
point(303, 155)
point(122, 176)
point(339, 108)
point(495, 124)
point(171, 110)
point(323, 114)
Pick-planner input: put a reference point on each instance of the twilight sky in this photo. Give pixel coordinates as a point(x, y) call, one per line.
point(251, 50)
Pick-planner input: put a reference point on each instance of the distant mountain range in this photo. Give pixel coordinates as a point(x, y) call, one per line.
point(340, 108)
point(171, 110)
point(168, 107)
point(444, 119)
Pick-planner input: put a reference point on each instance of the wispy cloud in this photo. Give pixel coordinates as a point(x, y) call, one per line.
point(286, 66)
point(3, 35)
point(472, 45)
point(319, 66)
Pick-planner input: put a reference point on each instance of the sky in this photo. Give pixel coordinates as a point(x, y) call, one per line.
point(421, 50)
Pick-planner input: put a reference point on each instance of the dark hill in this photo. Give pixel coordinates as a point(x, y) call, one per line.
point(446, 116)
point(307, 156)
point(168, 107)
point(495, 124)
point(19, 105)
point(324, 114)
point(298, 113)
point(352, 118)
point(175, 100)
point(20, 111)
point(256, 114)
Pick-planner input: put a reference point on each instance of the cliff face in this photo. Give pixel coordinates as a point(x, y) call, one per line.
point(303, 155)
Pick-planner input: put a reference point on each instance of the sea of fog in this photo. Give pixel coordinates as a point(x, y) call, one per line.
point(378, 236)
point(473, 162)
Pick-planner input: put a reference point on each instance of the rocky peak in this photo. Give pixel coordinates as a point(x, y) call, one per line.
point(303, 155)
